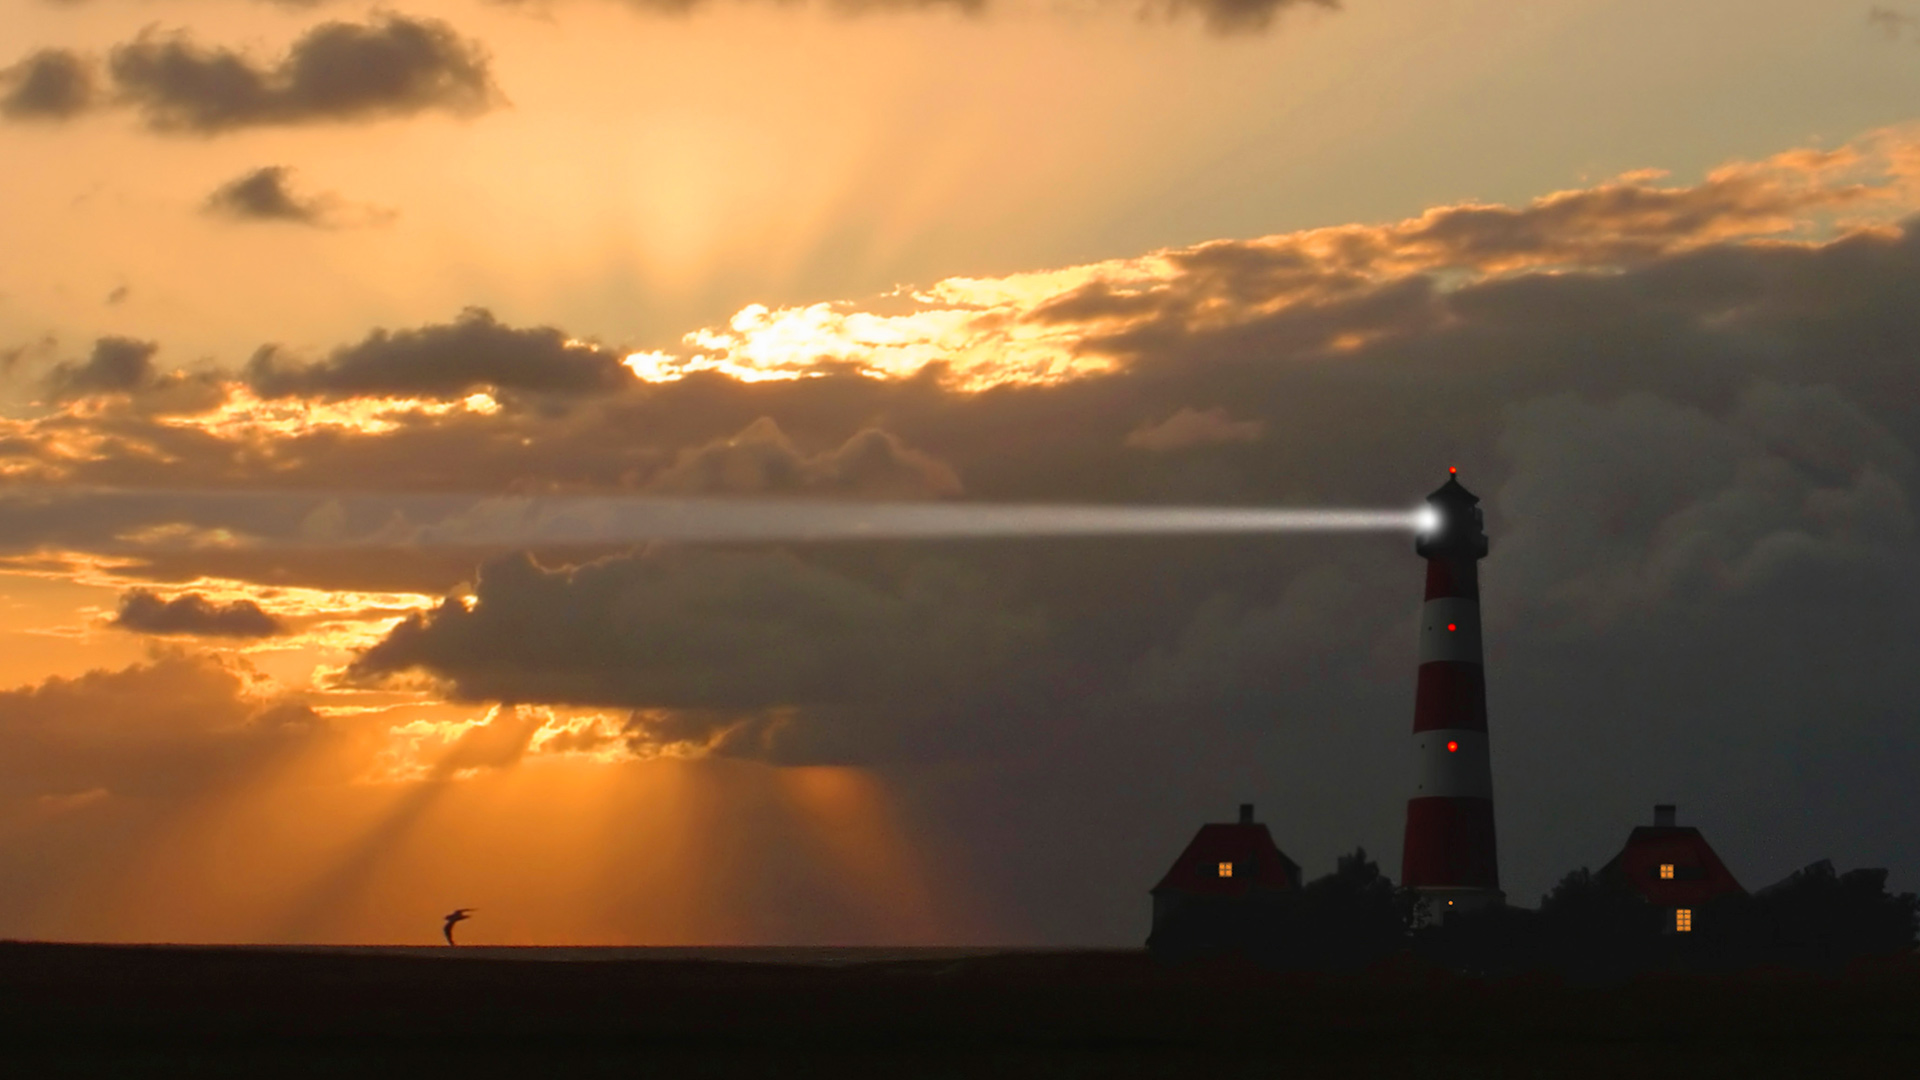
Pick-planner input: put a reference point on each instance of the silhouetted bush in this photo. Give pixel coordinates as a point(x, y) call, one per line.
point(1491, 941)
point(1819, 919)
point(1596, 926)
point(1345, 920)
point(1591, 927)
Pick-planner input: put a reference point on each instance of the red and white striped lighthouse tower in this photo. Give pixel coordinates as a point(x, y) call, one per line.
point(1449, 853)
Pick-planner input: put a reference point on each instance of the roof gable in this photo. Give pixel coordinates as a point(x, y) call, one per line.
point(1257, 863)
point(1698, 873)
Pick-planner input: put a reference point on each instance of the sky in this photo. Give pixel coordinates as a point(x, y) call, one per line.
point(310, 310)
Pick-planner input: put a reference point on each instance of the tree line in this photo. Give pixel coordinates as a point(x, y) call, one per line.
point(1590, 925)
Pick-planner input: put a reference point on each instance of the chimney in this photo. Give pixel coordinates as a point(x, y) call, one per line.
point(1663, 815)
point(1246, 813)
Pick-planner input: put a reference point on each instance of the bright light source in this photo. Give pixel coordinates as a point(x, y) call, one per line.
point(1451, 627)
point(1427, 519)
point(1453, 747)
point(1226, 869)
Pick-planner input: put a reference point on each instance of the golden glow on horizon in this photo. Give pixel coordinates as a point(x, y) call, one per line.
point(245, 416)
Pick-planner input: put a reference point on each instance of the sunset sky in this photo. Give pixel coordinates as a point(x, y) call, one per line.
point(296, 299)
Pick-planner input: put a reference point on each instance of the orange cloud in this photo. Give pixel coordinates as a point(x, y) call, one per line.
point(1046, 327)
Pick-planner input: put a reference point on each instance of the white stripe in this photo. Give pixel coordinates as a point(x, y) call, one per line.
point(1460, 643)
point(1465, 772)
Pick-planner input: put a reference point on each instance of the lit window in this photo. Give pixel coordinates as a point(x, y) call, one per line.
point(1666, 871)
point(1683, 919)
point(1226, 869)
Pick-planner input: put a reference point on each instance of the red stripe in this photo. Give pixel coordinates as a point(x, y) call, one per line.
point(1453, 577)
point(1452, 694)
point(1449, 843)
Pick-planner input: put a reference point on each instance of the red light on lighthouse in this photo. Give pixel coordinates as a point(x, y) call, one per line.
point(1453, 470)
point(1453, 747)
point(1451, 628)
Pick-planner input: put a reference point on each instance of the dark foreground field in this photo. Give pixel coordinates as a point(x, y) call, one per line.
point(99, 1010)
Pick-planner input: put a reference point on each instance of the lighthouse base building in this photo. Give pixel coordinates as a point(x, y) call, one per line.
point(1673, 868)
point(1224, 892)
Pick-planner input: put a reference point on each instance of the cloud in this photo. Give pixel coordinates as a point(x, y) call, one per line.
point(167, 728)
point(1689, 407)
point(761, 460)
point(118, 295)
point(1241, 16)
point(336, 72)
point(1890, 22)
point(265, 195)
point(123, 368)
point(1219, 16)
point(1696, 510)
point(11, 358)
point(724, 637)
point(116, 365)
point(1192, 427)
point(474, 352)
point(144, 612)
point(51, 84)
point(1339, 286)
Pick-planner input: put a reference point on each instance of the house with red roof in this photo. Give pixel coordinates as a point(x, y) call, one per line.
point(1673, 867)
point(1218, 886)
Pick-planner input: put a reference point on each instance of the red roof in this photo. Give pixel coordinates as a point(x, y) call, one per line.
point(1256, 863)
point(1698, 874)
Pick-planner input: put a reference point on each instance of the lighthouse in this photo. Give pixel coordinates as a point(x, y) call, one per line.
point(1449, 858)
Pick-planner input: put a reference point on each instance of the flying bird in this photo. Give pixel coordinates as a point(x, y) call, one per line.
point(458, 916)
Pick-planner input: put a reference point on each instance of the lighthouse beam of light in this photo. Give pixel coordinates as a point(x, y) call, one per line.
point(234, 519)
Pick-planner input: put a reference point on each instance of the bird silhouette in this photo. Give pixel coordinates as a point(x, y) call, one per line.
point(458, 916)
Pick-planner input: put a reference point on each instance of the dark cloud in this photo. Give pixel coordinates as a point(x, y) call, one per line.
point(168, 729)
point(192, 614)
point(1193, 427)
point(761, 460)
point(51, 84)
point(1220, 16)
point(737, 638)
point(1698, 456)
point(473, 353)
point(116, 365)
point(1241, 16)
point(123, 368)
point(10, 358)
point(390, 66)
point(118, 295)
point(1891, 22)
point(263, 195)
point(1700, 477)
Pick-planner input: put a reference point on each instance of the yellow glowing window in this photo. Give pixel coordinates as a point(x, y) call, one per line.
point(1666, 871)
point(1683, 919)
point(1226, 869)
